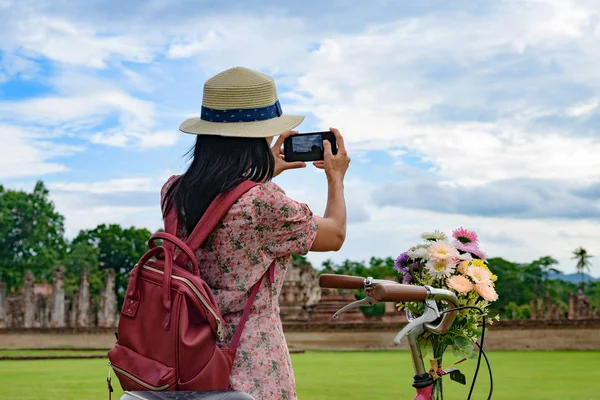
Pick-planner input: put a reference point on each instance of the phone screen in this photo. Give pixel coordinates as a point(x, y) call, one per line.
point(308, 146)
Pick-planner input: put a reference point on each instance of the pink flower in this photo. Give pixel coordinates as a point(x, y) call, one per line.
point(442, 251)
point(460, 284)
point(486, 291)
point(465, 236)
point(471, 248)
point(479, 275)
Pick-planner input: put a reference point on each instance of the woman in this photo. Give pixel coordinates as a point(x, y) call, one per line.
point(240, 116)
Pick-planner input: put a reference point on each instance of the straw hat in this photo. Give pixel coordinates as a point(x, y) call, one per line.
point(240, 102)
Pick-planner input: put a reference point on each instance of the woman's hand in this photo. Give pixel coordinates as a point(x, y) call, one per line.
point(280, 163)
point(335, 166)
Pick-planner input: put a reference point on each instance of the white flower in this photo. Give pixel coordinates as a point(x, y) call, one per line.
point(465, 257)
point(440, 268)
point(418, 252)
point(433, 236)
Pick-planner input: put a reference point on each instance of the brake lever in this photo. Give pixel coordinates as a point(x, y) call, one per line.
point(417, 325)
point(366, 302)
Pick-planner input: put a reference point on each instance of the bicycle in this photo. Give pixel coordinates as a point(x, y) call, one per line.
point(432, 320)
point(377, 290)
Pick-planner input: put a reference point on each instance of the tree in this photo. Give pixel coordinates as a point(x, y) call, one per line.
point(517, 284)
point(583, 264)
point(118, 248)
point(537, 273)
point(82, 255)
point(31, 235)
point(593, 292)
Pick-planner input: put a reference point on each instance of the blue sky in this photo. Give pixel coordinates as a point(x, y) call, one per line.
point(475, 114)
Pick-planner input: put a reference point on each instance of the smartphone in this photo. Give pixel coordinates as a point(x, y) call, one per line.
point(308, 146)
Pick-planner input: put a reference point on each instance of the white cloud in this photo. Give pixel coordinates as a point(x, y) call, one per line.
point(122, 185)
point(27, 153)
point(189, 47)
point(142, 140)
point(159, 139)
point(580, 109)
point(115, 140)
point(67, 41)
point(83, 104)
point(12, 65)
point(385, 94)
point(276, 43)
point(84, 109)
point(82, 217)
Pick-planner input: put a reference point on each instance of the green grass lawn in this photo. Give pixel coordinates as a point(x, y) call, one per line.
point(341, 375)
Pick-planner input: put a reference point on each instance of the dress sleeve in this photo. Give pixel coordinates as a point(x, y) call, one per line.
point(284, 225)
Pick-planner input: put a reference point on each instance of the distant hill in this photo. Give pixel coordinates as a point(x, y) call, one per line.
point(573, 278)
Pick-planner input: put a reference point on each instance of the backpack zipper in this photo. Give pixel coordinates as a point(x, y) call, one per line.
point(220, 330)
point(139, 382)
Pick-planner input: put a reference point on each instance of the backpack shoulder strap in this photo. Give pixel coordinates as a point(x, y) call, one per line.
point(213, 214)
point(170, 217)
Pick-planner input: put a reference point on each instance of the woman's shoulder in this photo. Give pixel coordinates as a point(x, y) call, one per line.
point(267, 189)
point(267, 194)
point(168, 184)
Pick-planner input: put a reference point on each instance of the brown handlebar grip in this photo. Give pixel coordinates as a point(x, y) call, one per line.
point(399, 293)
point(341, 281)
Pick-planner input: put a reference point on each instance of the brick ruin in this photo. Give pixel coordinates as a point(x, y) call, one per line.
point(578, 308)
point(43, 305)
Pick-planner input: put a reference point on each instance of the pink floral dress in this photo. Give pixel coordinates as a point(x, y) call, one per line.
point(262, 226)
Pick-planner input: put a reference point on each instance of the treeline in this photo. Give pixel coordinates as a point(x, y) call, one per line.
point(32, 237)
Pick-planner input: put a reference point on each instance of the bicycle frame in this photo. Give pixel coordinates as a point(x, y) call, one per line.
point(431, 321)
point(423, 382)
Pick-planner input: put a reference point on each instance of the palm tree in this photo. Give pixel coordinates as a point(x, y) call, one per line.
point(583, 264)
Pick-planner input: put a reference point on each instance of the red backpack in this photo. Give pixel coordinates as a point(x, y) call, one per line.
point(170, 326)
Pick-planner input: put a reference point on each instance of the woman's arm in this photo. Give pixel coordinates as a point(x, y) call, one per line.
point(331, 232)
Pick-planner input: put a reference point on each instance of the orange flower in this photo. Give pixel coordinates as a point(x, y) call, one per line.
point(486, 291)
point(479, 275)
point(460, 284)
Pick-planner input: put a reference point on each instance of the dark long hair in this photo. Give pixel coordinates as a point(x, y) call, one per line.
point(218, 164)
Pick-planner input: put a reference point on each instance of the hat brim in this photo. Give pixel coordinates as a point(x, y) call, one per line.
point(255, 129)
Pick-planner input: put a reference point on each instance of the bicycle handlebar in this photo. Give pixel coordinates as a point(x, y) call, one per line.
point(400, 293)
point(333, 281)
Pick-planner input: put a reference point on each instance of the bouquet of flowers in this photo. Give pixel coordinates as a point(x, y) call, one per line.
point(459, 265)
